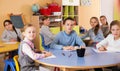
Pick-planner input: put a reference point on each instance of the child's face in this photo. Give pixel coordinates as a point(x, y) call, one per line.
point(8, 26)
point(68, 26)
point(93, 22)
point(30, 33)
point(46, 21)
point(103, 20)
point(115, 30)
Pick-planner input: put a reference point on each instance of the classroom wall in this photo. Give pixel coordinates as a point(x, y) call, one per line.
point(86, 12)
point(17, 7)
point(106, 8)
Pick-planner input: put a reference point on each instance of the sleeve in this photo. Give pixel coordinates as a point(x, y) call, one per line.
point(55, 43)
point(4, 36)
point(26, 49)
point(99, 36)
point(48, 33)
point(86, 35)
point(79, 41)
point(103, 42)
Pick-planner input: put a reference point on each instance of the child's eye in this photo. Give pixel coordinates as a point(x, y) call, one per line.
point(33, 31)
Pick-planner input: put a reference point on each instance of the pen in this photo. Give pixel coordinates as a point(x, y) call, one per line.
point(63, 54)
point(70, 55)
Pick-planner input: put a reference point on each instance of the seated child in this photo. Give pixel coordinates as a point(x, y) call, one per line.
point(45, 31)
point(112, 41)
point(11, 33)
point(27, 52)
point(67, 39)
point(104, 26)
point(95, 33)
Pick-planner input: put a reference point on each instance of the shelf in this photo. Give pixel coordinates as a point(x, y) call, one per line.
point(70, 15)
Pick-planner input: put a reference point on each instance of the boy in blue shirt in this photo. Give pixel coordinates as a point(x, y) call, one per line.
point(67, 39)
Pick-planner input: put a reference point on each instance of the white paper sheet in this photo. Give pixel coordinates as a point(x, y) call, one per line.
point(10, 42)
point(53, 56)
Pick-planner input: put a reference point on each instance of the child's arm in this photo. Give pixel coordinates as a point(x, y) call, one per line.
point(4, 36)
point(48, 33)
point(103, 44)
point(26, 49)
point(46, 54)
point(99, 36)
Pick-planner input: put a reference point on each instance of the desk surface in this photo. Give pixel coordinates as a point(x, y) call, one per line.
point(6, 47)
point(90, 60)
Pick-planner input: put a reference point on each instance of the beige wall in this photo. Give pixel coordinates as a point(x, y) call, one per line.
point(86, 12)
point(18, 6)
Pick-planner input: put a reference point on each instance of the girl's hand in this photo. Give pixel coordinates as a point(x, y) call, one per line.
point(102, 49)
point(13, 40)
point(47, 54)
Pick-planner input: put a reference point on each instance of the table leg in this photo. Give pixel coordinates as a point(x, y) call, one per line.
point(65, 69)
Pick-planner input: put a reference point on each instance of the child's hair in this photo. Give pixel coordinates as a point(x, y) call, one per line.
point(68, 18)
point(44, 18)
point(26, 26)
point(10, 22)
point(105, 18)
point(114, 22)
point(97, 26)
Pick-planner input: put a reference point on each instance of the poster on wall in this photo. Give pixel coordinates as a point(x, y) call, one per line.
point(116, 9)
point(71, 2)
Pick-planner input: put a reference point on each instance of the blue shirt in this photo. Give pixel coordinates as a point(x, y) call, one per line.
point(64, 39)
point(95, 38)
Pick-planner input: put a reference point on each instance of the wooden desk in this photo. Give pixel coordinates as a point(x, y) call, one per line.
point(8, 47)
point(89, 61)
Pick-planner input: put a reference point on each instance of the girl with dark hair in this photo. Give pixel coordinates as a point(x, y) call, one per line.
point(11, 34)
point(104, 26)
point(95, 33)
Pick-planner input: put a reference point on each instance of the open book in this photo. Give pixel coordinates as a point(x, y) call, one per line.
point(108, 50)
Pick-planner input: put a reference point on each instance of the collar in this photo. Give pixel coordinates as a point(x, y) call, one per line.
point(29, 42)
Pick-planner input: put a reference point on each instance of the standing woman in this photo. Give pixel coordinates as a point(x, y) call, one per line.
point(104, 26)
point(95, 33)
point(11, 34)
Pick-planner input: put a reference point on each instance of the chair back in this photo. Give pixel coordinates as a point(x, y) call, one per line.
point(41, 47)
point(15, 58)
point(43, 42)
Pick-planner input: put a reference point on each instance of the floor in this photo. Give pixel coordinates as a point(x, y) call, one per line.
point(1, 62)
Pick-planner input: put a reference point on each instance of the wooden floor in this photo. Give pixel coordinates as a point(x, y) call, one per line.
point(1, 62)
